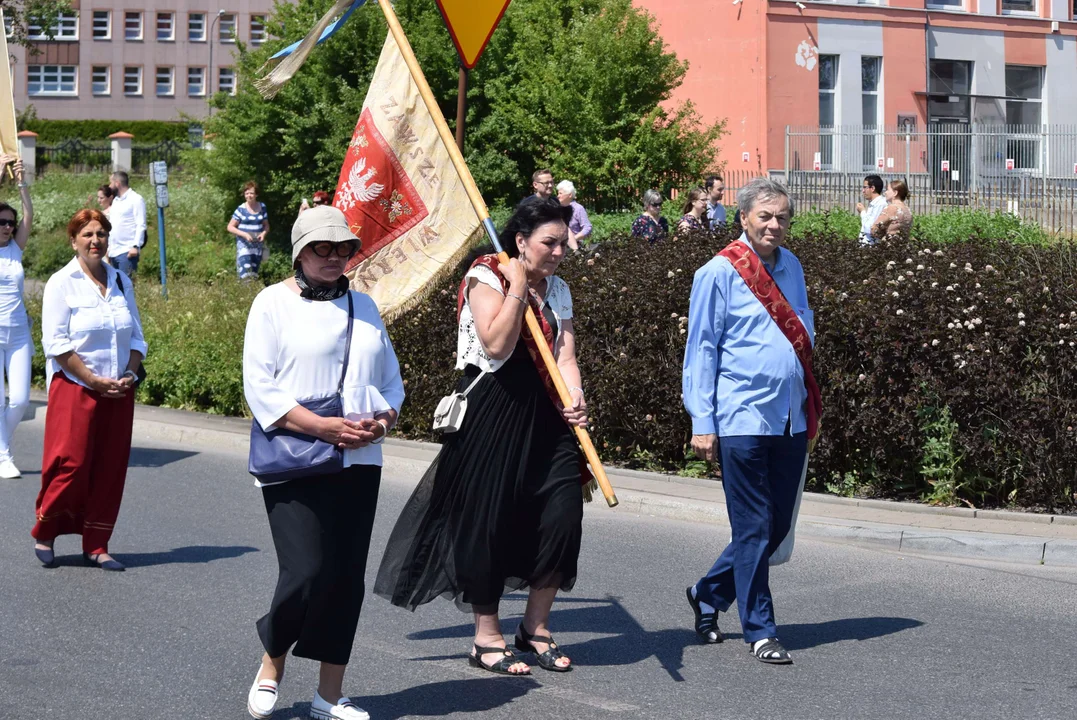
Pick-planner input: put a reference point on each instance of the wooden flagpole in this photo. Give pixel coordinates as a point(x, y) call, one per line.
point(484, 215)
point(9, 143)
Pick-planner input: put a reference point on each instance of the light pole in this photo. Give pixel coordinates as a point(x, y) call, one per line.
point(209, 70)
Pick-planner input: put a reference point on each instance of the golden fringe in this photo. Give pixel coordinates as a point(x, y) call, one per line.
point(289, 65)
point(446, 269)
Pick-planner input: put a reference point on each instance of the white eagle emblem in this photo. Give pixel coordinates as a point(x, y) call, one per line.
point(358, 187)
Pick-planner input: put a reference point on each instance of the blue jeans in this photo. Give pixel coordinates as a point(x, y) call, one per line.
point(760, 476)
point(127, 265)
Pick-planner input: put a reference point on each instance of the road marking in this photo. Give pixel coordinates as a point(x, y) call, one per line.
point(458, 667)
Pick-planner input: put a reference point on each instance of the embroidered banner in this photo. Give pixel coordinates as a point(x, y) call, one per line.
point(400, 194)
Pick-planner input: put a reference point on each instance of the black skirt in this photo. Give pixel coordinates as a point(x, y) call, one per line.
point(501, 506)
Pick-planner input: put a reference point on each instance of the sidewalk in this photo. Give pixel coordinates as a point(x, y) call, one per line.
point(1016, 537)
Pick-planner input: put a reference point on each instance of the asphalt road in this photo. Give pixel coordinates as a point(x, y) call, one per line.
point(873, 634)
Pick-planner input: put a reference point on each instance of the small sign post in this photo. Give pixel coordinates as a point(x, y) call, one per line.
point(1009, 163)
point(159, 173)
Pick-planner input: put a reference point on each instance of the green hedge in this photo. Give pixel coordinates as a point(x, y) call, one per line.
point(146, 132)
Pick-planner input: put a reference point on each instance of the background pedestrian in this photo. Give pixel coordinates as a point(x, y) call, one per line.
point(895, 221)
point(250, 225)
point(715, 188)
point(104, 199)
point(579, 225)
point(128, 217)
point(16, 344)
point(695, 211)
point(650, 225)
point(872, 192)
point(92, 336)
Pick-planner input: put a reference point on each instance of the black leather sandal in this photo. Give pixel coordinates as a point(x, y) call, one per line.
point(770, 651)
point(525, 642)
point(706, 623)
point(501, 667)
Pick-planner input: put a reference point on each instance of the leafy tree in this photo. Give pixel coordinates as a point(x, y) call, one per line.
point(23, 14)
point(580, 86)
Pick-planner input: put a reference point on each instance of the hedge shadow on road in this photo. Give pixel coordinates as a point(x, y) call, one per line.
point(433, 699)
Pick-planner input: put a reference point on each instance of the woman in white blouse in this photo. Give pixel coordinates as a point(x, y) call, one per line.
point(293, 351)
point(92, 336)
point(16, 345)
point(502, 505)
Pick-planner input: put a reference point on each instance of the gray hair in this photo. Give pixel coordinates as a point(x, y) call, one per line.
point(651, 197)
point(567, 186)
point(759, 190)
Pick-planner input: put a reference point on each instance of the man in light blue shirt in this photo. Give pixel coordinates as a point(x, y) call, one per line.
point(744, 383)
point(714, 185)
point(872, 192)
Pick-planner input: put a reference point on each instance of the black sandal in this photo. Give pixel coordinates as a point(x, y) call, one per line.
point(772, 652)
point(501, 667)
point(525, 642)
point(706, 623)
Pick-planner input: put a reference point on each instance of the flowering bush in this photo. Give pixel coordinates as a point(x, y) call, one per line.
point(948, 373)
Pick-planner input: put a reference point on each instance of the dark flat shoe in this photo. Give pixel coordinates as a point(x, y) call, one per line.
point(47, 557)
point(771, 652)
point(110, 565)
point(501, 667)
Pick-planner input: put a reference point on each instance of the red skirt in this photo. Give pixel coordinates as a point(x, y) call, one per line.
point(87, 447)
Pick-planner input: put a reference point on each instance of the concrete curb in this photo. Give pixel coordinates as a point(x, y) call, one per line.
point(1015, 537)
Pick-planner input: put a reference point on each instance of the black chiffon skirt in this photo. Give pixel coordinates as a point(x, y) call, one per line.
point(501, 506)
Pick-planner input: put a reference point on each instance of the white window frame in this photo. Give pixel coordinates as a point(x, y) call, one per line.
point(199, 38)
point(228, 20)
point(126, 71)
point(958, 6)
point(220, 75)
point(106, 15)
point(171, 91)
point(1033, 11)
point(9, 26)
point(128, 15)
point(876, 138)
point(93, 80)
point(171, 37)
point(65, 29)
point(259, 22)
point(40, 72)
point(1034, 138)
point(202, 83)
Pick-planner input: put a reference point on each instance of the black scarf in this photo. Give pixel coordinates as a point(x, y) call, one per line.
point(320, 293)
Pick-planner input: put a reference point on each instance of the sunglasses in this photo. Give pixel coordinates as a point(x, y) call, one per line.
point(343, 249)
point(7, 223)
point(321, 202)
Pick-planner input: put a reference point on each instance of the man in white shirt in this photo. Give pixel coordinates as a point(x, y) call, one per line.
point(872, 192)
point(128, 218)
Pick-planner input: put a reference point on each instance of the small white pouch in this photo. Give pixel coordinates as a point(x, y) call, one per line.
point(449, 415)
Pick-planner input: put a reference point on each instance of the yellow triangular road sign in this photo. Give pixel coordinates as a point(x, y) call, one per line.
point(471, 23)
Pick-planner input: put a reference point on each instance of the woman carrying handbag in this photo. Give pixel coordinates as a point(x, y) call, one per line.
point(323, 383)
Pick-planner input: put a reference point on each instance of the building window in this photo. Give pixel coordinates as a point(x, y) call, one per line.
point(166, 81)
point(948, 85)
point(102, 79)
point(132, 80)
point(102, 25)
point(258, 29)
point(9, 25)
point(226, 30)
point(196, 82)
point(828, 83)
point(1019, 6)
point(166, 26)
point(870, 74)
point(1024, 113)
point(132, 26)
point(66, 27)
point(45, 80)
point(226, 81)
point(196, 27)
point(948, 4)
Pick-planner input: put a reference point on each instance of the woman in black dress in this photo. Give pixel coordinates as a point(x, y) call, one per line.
point(502, 505)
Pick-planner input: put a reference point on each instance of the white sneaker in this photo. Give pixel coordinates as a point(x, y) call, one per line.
point(262, 698)
point(345, 709)
point(8, 471)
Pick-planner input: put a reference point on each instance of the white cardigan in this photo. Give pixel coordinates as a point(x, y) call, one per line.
point(293, 350)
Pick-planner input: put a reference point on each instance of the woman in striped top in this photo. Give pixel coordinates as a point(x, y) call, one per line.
point(250, 225)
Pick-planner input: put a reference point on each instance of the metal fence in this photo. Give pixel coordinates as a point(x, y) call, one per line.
point(167, 150)
point(1030, 171)
point(77, 155)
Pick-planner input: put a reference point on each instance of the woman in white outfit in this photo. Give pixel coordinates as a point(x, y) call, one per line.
point(296, 351)
point(16, 347)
